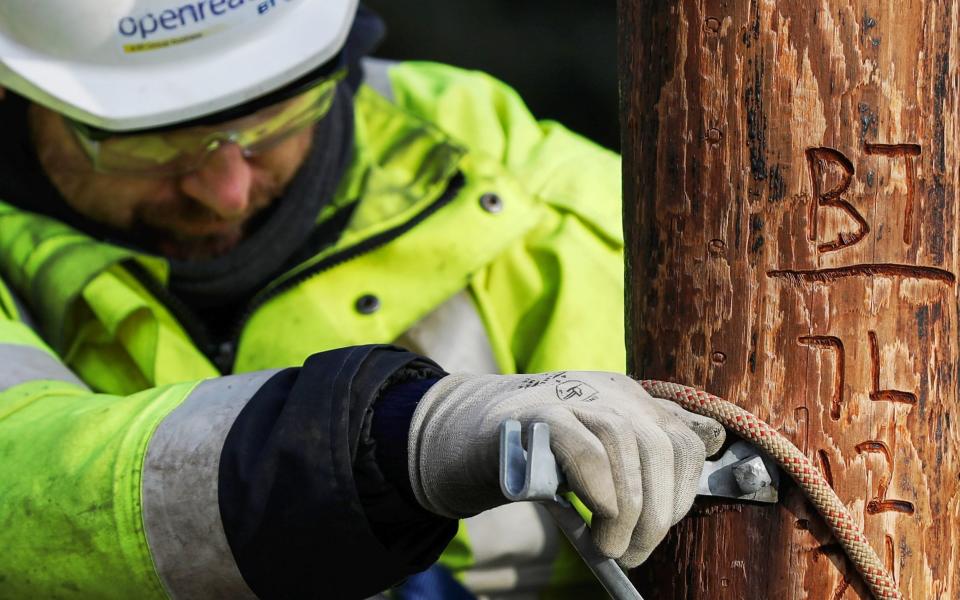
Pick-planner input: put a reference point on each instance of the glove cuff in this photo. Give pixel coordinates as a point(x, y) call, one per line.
point(449, 465)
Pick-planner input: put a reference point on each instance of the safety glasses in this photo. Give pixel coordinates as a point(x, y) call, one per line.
point(180, 150)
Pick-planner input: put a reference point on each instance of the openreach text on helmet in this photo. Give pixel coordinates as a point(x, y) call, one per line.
point(173, 19)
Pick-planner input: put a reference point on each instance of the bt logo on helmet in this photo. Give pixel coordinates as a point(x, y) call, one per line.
point(185, 15)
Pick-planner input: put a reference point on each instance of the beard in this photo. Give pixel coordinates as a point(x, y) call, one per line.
point(198, 248)
point(189, 231)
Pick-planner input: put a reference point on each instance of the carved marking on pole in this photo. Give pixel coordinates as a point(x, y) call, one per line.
point(825, 467)
point(842, 587)
point(889, 557)
point(821, 162)
point(880, 503)
point(817, 158)
point(831, 343)
point(836, 550)
point(909, 152)
point(868, 270)
point(876, 394)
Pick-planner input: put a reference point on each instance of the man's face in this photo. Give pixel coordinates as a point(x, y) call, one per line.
point(198, 215)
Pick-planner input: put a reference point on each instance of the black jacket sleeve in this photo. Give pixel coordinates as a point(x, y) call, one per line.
point(307, 510)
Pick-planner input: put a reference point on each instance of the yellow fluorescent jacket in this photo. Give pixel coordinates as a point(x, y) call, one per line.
point(92, 375)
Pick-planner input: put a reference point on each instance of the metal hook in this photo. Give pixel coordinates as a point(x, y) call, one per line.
point(741, 473)
point(533, 475)
point(528, 475)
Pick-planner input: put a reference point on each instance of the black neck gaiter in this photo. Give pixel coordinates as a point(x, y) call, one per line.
point(240, 272)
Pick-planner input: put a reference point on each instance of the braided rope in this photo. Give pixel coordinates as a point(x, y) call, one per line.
point(799, 467)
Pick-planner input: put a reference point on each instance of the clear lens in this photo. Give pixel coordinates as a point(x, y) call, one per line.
point(180, 151)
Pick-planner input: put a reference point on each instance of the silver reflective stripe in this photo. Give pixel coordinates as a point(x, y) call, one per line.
point(514, 547)
point(376, 74)
point(454, 336)
point(181, 511)
point(20, 364)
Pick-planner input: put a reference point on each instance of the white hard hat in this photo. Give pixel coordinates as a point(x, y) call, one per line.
point(133, 64)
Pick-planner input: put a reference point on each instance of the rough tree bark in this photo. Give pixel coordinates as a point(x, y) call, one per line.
point(791, 173)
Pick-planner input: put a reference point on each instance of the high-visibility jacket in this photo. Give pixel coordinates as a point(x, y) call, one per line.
point(478, 236)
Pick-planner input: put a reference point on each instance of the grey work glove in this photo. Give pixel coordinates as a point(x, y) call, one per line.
point(634, 460)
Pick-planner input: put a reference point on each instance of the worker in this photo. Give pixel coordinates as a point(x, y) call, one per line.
point(265, 302)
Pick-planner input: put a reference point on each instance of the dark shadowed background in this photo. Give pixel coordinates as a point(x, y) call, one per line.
point(561, 55)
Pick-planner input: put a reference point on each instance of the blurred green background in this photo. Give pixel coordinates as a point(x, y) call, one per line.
point(561, 56)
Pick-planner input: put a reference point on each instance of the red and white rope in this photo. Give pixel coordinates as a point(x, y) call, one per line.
point(799, 467)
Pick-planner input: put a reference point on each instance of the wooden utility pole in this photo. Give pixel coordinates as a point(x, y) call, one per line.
point(790, 185)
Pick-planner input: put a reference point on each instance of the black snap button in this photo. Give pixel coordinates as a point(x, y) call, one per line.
point(491, 203)
point(368, 304)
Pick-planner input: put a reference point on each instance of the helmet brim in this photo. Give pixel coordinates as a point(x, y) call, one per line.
point(125, 97)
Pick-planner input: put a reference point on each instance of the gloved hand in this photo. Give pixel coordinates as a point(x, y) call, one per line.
point(634, 460)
